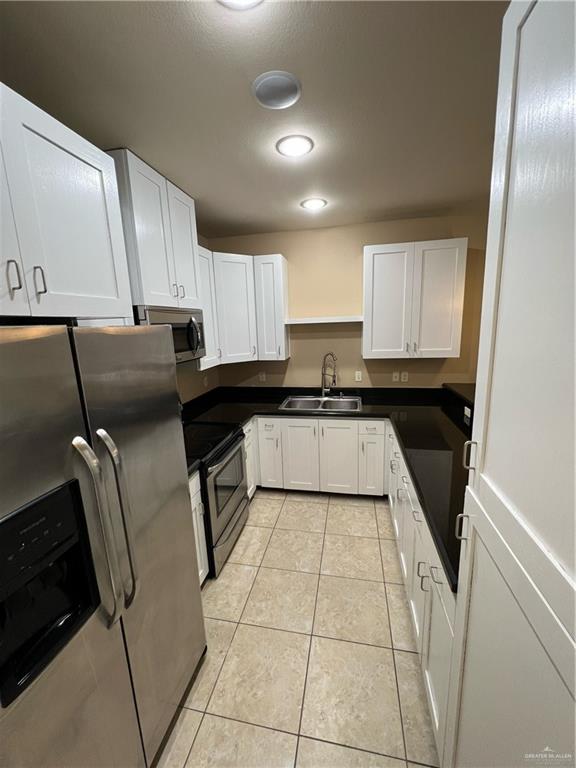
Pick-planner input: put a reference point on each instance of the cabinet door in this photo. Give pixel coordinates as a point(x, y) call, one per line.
point(64, 200)
point(184, 246)
point(13, 293)
point(300, 458)
point(250, 442)
point(234, 277)
point(208, 304)
point(270, 278)
point(418, 587)
point(338, 456)
point(438, 297)
point(200, 536)
point(371, 465)
point(144, 198)
point(270, 450)
point(388, 275)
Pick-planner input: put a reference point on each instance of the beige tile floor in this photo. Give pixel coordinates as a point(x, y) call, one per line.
point(311, 659)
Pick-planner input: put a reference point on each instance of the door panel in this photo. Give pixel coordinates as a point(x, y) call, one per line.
point(338, 456)
point(208, 303)
point(13, 292)
point(300, 454)
point(388, 275)
point(270, 453)
point(65, 202)
point(235, 300)
point(371, 465)
point(184, 246)
point(138, 407)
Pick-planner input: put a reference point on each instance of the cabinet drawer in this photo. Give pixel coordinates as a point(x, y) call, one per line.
point(269, 426)
point(371, 427)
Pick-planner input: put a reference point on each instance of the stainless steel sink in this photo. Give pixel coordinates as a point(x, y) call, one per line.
point(335, 405)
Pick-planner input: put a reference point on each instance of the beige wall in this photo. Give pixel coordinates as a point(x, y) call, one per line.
point(325, 278)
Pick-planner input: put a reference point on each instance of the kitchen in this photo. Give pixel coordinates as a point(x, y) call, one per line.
point(286, 400)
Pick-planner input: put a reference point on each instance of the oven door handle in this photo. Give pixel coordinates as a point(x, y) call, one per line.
point(126, 512)
point(95, 470)
point(232, 449)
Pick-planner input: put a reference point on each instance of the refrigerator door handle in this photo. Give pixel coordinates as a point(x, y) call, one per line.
point(95, 470)
point(126, 511)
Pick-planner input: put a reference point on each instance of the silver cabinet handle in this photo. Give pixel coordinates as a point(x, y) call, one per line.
point(183, 292)
point(95, 470)
point(362, 446)
point(322, 431)
point(415, 347)
point(407, 347)
point(458, 526)
point(314, 431)
point(465, 463)
point(126, 512)
point(370, 429)
point(276, 443)
point(417, 518)
point(432, 569)
point(40, 270)
point(175, 290)
point(18, 286)
point(396, 454)
point(422, 576)
point(219, 353)
point(268, 426)
point(392, 465)
point(405, 480)
point(253, 351)
point(278, 350)
point(398, 493)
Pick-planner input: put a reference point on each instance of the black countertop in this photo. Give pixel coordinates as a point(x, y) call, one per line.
point(430, 439)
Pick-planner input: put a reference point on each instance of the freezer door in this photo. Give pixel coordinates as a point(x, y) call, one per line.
point(80, 709)
point(129, 383)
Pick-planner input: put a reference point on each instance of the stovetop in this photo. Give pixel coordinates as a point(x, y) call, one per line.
point(203, 440)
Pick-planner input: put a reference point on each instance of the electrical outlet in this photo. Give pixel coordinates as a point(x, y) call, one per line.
point(358, 376)
point(404, 376)
point(262, 376)
point(395, 376)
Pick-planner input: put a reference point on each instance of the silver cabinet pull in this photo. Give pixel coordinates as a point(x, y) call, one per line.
point(219, 353)
point(18, 286)
point(126, 512)
point(432, 569)
point(422, 576)
point(396, 454)
point(465, 463)
point(253, 351)
point(322, 431)
point(407, 347)
point(95, 470)
point(182, 292)
point(278, 350)
point(417, 518)
point(175, 290)
point(405, 480)
point(392, 465)
point(40, 270)
point(370, 429)
point(362, 446)
point(276, 443)
point(314, 431)
point(458, 527)
point(415, 347)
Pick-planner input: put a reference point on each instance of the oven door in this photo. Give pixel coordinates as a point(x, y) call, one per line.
point(227, 487)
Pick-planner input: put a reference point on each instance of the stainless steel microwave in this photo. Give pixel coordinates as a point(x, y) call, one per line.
point(187, 329)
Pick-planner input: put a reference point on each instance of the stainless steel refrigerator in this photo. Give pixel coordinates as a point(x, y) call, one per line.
point(101, 625)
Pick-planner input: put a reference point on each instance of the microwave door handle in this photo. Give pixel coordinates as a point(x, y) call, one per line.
point(126, 512)
point(198, 334)
point(95, 470)
point(191, 344)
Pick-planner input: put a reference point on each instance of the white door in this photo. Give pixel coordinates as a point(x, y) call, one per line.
point(300, 455)
point(270, 452)
point(13, 293)
point(64, 200)
point(271, 306)
point(388, 274)
point(418, 587)
point(208, 304)
point(515, 621)
point(153, 254)
point(184, 246)
point(438, 297)
point(200, 536)
point(235, 301)
point(338, 455)
point(250, 442)
point(371, 465)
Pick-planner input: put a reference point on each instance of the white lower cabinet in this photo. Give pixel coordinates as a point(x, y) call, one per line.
point(252, 460)
point(300, 455)
point(270, 449)
point(198, 523)
point(338, 455)
point(371, 465)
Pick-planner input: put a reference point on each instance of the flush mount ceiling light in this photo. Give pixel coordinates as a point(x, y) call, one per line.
point(314, 203)
point(240, 5)
point(294, 146)
point(276, 89)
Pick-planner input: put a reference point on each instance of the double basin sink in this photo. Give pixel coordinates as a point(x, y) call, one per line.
point(334, 405)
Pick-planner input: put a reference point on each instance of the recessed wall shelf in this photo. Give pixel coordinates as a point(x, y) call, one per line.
point(321, 320)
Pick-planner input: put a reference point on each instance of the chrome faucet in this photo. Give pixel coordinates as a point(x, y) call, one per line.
point(328, 361)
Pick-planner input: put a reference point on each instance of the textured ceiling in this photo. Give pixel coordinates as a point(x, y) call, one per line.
point(399, 98)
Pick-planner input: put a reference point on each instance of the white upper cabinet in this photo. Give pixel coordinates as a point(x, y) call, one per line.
point(388, 277)
point(236, 307)
point(271, 286)
point(160, 230)
point(413, 299)
point(438, 297)
point(61, 225)
point(184, 247)
point(208, 304)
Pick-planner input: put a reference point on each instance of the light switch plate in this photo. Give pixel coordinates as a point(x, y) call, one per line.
point(358, 376)
point(395, 376)
point(404, 376)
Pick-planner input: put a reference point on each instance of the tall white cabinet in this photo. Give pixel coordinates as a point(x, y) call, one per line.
point(161, 240)
point(236, 307)
point(515, 636)
point(413, 299)
point(63, 248)
point(209, 310)
point(271, 287)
